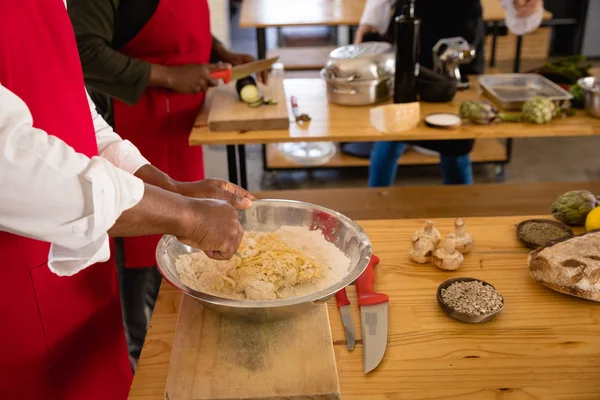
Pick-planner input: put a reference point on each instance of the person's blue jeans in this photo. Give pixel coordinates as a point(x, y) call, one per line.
point(384, 165)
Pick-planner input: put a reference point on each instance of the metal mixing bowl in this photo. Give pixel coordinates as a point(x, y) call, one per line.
point(268, 216)
point(591, 94)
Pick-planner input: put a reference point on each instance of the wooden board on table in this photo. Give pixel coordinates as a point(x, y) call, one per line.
point(485, 150)
point(543, 346)
point(218, 358)
point(227, 113)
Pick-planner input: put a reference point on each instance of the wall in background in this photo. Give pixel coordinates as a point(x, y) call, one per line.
point(219, 19)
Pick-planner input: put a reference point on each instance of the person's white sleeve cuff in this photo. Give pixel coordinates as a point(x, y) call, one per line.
point(121, 153)
point(377, 13)
point(521, 26)
point(113, 191)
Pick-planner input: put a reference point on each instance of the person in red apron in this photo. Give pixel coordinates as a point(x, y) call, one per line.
point(147, 63)
point(61, 337)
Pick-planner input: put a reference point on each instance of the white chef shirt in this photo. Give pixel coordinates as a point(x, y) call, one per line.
point(378, 13)
point(50, 192)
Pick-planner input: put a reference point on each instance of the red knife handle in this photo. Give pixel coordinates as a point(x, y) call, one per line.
point(365, 285)
point(224, 74)
point(294, 101)
point(342, 298)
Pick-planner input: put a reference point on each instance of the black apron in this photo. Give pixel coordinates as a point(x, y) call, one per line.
point(440, 19)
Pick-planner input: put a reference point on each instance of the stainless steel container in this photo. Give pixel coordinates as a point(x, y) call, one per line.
point(358, 92)
point(268, 216)
point(510, 91)
point(360, 74)
point(591, 94)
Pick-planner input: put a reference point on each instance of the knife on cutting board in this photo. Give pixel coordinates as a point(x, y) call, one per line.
point(344, 305)
point(243, 70)
point(373, 317)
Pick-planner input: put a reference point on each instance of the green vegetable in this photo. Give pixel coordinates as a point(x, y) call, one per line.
point(484, 113)
point(567, 70)
point(539, 110)
point(573, 207)
point(257, 103)
point(577, 92)
point(247, 90)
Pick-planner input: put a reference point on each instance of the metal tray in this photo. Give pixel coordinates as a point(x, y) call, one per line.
point(510, 91)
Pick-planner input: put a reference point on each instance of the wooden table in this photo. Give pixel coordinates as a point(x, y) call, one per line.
point(262, 14)
point(544, 345)
point(335, 123)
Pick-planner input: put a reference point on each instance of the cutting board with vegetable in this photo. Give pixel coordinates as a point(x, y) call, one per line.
point(265, 109)
point(215, 357)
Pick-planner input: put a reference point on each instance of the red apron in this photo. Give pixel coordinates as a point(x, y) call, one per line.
point(160, 123)
point(61, 338)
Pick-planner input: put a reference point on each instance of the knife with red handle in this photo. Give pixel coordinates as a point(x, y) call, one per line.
point(373, 317)
point(344, 305)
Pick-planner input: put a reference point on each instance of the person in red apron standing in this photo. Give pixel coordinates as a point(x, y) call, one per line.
point(146, 63)
point(67, 180)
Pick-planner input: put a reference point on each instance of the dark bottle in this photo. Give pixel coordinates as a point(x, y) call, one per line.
point(407, 29)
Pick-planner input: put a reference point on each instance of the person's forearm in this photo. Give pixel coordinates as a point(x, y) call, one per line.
point(159, 212)
point(155, 177)
point(159, 76)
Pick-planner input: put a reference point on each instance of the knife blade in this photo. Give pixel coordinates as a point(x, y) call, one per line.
point(373, 317)
point(243, 70)
point(344, 305)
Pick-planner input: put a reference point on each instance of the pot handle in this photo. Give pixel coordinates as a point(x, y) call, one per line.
point(344, 91)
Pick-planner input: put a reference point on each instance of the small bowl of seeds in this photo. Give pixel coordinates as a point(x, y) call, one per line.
point(469, 300)
point(534, 233)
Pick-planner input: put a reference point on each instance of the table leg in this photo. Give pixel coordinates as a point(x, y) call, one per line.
point(517, 65)
point(242, 160)
point(494, 43)
point(232, 164)
point(261, 43)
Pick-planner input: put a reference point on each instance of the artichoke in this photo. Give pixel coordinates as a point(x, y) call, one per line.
point(573, 207)
point(484, 113)
point(539, 110)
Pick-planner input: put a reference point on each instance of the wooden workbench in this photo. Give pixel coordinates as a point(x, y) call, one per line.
point(543, 346)
point(335, 123)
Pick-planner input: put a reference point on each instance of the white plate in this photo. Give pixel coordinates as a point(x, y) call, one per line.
point(308, 153)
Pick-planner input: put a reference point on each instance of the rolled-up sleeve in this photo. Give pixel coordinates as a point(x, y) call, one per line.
point(119, 152)
point(54, 194)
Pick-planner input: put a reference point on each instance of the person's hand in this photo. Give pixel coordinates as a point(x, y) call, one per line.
point(362, 31)
point(238, 58)
point(213, 227)
point(217, 189)
point(191, 78)
point(526, 8)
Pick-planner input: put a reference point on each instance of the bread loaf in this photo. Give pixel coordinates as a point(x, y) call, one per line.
point(570, 266)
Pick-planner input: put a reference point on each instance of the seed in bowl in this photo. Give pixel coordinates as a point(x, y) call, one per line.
point(472, 298)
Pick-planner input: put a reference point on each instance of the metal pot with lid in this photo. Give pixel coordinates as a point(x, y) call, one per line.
point(360, 74)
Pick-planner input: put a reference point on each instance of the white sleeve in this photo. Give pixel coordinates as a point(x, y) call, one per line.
point(119, 152)
point(52, 193)
point(377, 13)
point(521, 26)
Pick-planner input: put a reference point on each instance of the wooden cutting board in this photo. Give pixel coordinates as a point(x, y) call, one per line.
point(218, 358)
point(226, 113)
